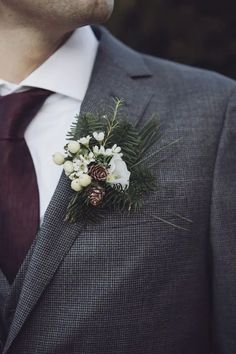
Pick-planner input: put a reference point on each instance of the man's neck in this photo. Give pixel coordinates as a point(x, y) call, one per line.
point(22, 50)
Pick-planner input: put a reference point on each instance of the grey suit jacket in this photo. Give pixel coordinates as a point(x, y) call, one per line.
point(135, 284)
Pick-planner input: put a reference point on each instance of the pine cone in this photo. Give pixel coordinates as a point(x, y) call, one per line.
point(96, 195)
point(98, 173)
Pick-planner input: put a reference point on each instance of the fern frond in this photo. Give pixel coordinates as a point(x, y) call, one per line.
point(149, 135)
point(86, 124)
point(127, 138)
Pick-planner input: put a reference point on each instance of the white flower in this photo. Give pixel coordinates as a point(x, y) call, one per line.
point(72, 176)
point(68, 167)
point(102, 151)
point(96, 150)
point(109, 152)
point(85, 180)
point(90, 157)
point(116, 149)
point(85, 140)
point(99, 150)
point(58, 158)
point(74, 147)
point(80, 165)
point(99, 136)
point(75, 185)
point(118, 172)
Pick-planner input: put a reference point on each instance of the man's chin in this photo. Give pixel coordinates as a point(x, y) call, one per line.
point(104, 12)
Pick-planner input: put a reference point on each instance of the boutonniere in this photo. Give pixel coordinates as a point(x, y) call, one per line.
point(105, 161)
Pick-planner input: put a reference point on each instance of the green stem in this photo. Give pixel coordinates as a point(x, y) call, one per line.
point(113, 122)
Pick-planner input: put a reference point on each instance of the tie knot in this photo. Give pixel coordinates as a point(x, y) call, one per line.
point(18, 109)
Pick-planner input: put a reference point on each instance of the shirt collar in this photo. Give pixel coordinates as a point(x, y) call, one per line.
point(69, 69)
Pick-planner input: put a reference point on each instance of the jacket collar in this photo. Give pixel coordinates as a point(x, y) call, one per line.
point(121, 55)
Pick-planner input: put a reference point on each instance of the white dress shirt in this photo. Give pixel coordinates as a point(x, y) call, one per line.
point(67, 73)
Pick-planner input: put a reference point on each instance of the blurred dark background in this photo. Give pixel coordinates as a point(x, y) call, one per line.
point(195, 32)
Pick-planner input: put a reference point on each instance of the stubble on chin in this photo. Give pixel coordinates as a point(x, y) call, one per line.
point(100, 10)
point(61, 15)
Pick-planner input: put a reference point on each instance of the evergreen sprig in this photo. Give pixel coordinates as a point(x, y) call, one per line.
point(133, 144)
point(85, 124)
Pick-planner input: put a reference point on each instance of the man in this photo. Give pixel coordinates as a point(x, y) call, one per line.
point(159, 281)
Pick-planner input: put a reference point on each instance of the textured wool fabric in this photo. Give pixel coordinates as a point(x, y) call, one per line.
point(4, 291)
point(134, 284)
point(19, 203)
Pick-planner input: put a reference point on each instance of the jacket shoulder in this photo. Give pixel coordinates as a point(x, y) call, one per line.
point(163, 74)
point(188, 77)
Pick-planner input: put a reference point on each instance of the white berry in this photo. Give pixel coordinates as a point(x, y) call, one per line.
point(75, 185)
point(68, 167)
point(85, 180)
point(74, 147)
point(58, 158)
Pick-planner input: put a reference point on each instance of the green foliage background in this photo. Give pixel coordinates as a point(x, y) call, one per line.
point(196, 32)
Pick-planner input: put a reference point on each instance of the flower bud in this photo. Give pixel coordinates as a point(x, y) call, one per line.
point(85, 140)
point(99, 136)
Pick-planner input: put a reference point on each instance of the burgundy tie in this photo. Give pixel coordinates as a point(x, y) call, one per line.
point(19, 196)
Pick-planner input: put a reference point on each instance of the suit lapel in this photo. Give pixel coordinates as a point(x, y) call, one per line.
point(117, 73)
